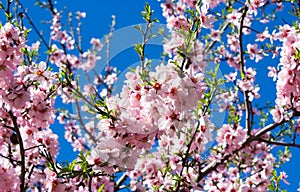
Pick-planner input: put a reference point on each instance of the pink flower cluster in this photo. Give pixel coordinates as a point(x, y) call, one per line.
point(61, 36)
point(248, 170)
point(147, 111)
point(26, 99)
point(288, 81)
point(247, 84)
point(55, 184)
point(231, 137)
point(159, 168)
point(86, 61)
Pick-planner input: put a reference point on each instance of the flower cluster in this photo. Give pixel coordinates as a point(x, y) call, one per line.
point(159, 131)
point(27, 111)
point(147, 111)
point(287, 84)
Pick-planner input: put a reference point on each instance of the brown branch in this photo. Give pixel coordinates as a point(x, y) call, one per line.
point(34, 26)
point(11, 160)
point(22, 151)
point(41, 145)
point(242, 71)
point(185, 159)
point(81, 96)
point(280, 143)
point(82, 123)
point(256, 31)
point(51, 7)
point(120, 181)
point(214, 164)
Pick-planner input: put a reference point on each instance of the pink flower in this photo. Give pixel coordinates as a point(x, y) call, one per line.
point(80, 14)
point(254, 4)
point(110, 79)
point(254, 52)
point(90, 60)
point(272, 72)
point(262, 36)
point(233, 42)
point(234, 17)
point(17, 95)
point(231, 76)
point(53, 183)
point(277, 114)
point(207, 21)
point(178, 22)
point(215, 35)
point(40, 74)
point(283, 177)
point(89, 89)
point(264, 21)
point(96, 43)
point(231, 138)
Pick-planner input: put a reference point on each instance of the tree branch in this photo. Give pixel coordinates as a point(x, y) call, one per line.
point(120, 181)
point(242, 71)
point(82, 123)
point(280, 143)
point(22, 151)
point(214, 164)
point(33, 26)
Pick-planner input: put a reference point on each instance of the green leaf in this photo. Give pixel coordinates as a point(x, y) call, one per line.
point(101, 188)
point(147, 13)
point(138, 27)
point(138, 48)
point(271, 187)
point(24, 50)
point(72, 165)
point(8, 16)
point(155, 20)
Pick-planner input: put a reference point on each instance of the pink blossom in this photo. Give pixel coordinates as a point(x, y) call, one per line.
point(178, 22)
point(272, 72)
point(90, 60)
point(262, 36)
point(231, 76)
point(215, 35)
point(277, 114)
point(234, 17)
point(254, 52)
point(96, 43)
point(80, 14)
point(283, 177)
point(40, 74)
point(207, 21)
point(231, 138)
point(233, 42)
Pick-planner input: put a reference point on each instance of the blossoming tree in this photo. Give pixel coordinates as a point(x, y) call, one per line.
point(157, 134)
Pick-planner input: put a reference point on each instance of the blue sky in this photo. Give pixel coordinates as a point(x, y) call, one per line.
point(127, 12)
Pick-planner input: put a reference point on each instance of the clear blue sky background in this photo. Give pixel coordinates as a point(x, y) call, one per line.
point(127, 12)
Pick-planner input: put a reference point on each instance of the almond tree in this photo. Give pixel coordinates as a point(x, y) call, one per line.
point(158, 133)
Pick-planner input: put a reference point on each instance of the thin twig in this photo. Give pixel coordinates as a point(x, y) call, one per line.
point(33, 26)
point(186, 155)
point(242, 71)
point(81, 122)
point(120, 181)
point(214, 164)
point(280, 143)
